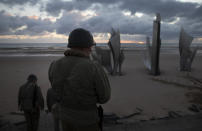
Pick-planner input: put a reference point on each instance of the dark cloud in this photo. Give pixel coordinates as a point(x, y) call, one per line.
point(197, 14)
point(68, 22)
point(10, 25)
point(167, 8)
point(18, 2)
point(36, 26)
point(7, 23)
point(116, 19)
point(54, 7)
point(103, 22)
point(108, 14)
point(192, 26)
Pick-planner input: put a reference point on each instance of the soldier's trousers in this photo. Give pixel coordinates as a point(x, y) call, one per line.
point(32, 120)
point(74, 127)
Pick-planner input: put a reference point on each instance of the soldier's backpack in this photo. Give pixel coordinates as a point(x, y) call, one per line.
point(29, 94)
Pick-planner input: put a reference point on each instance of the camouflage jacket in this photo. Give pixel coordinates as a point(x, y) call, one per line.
point(80, 84)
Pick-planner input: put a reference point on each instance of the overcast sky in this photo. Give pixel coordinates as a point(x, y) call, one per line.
point(52, 20)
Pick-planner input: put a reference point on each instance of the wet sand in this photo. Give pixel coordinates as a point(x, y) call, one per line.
point(135, 89)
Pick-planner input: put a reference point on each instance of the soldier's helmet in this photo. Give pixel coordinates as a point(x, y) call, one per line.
point(80, 38)
point(32, 78)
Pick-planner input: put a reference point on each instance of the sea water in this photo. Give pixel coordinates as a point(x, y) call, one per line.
point(57, 49)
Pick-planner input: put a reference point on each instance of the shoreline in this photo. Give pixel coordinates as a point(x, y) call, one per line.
point(21, 52)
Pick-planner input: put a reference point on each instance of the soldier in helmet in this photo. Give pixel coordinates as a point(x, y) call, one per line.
point(30, 100)
point(80, 84)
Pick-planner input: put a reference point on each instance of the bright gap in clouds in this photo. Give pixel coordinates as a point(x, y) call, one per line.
point(127, 13)
point(20, 28)
point(19, 10)
point(138, 14)
point(125, 38)
point(191, 1)
point(27, 10)
point(88, 14)
point(175, 21)
point(61, 38)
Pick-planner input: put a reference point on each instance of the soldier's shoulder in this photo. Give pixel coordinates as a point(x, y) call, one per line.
point(56, 62)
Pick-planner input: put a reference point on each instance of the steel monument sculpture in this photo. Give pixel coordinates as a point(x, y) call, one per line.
point(147, 54)
point(186, 53)
point(103, 56)
point(117, 53)
point(152, 53)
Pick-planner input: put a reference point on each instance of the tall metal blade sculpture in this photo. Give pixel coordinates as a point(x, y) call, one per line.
point(104, 58)
point(121, 59)
point(186, 54)
point(156, 45)
point(114, 44)
point(147, 54)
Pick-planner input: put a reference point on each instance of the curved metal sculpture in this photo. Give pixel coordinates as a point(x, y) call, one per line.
point(117, 53)
point(114, 44)
point(147, 54)
point(186, 54)
point(156, 45)
point(152, 52)
point(103, 56)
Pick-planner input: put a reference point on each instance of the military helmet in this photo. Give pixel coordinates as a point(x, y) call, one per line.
point(32, 78)
point(80, 38)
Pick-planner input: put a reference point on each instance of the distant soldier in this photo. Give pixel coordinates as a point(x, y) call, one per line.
point(53, 107)
point(30, 100)
point(80, 84)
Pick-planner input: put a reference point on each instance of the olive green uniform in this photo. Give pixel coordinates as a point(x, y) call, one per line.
point(53, 107)
point(80, 84)
point(30, 100)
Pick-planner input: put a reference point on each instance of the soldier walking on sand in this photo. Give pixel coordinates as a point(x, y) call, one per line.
point(79, 83)
point(30, 100)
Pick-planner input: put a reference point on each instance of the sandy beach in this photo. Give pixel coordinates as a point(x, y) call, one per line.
point(135, 89)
